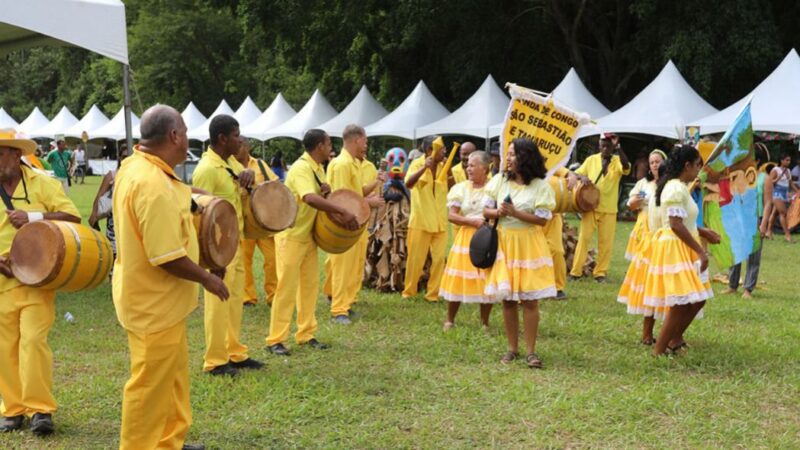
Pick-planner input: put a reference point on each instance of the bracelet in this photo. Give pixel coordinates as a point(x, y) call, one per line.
point(35, 216)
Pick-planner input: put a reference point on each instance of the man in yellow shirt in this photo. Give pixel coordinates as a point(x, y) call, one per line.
point(427, 224)
point(554, 232)
point(604, 169)
point(459, 172)
point(295, 249)
point(26, 313)
point(154, 283)
point(266, 245)
point(219, 173)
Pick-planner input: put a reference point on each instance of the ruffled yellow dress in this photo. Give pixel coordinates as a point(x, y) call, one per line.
point(674, 277)
point(463, 282)
point(523, 270)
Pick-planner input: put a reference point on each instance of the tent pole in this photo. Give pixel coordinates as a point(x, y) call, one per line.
point(127, 105)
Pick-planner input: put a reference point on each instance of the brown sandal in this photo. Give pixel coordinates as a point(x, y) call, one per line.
point(533, 360)
point(508, 357)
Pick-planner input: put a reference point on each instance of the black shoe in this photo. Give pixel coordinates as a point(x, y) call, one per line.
point(560, 295)
point(600, 280)
point(279, 350)
point(12, 423)
point(353, 314)
point(42, 424)
point(573, 278)
point(193, 447)
point(248, 363)
point(225, 369)
point(314, 343)
point(249, 304)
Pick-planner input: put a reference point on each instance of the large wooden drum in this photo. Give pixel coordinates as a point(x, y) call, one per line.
point(328, 232)
point(59, 255)
point(582, 198)
point(268, 208)
point(217, 231)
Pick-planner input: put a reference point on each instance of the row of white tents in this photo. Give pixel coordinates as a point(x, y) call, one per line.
point(663, 108)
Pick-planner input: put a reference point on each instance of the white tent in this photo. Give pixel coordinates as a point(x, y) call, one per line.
point(192, 116)
point(200, 133)
point(247, 113)
point(315, 112)
point(279, 111)
point(362, 110)
point(6, 121)
point(60, 124)
point(663, 108)
point(34, 121)
point(418, 109)
point(115, 129)
point(93, 120)
point(486, 107)
point(775, 106)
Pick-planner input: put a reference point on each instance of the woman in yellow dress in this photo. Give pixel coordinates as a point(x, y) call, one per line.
point(462, 282)
point(631, 292)
point(678, 274)
point(522, 201)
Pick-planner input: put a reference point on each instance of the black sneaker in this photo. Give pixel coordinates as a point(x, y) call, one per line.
point(12, 423)
point(193, 447)
point(225, 369)
point(248, 363)
point(600, 280)
point(42, 424)
point(279, 350)
point(560, 295)
point(314, 343)
point(573, 278)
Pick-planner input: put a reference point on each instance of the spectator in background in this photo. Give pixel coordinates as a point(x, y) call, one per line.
point(61, 161)
point(796, 173)
point(494, 154)
point(80, 164)
point(781, 193)
point(277, 165)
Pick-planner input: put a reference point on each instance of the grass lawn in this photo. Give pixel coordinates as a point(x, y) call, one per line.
point(393, 379)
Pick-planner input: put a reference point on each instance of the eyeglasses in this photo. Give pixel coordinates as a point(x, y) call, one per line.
point(25, 190)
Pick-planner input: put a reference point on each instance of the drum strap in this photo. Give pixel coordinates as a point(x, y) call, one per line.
point(263, 170)
point(6, 199)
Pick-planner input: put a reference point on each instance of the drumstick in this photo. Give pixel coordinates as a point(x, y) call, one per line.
point(449, 163)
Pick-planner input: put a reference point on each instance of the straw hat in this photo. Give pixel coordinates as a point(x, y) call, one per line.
point(10, 138)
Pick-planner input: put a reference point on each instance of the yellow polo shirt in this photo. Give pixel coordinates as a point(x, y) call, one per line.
point(459, 174)
point(428, 199)
point(608, 184)
point(153, 225)
point(45, 194)
point(303, 178)
point(369, 173)
point(213, 176)
point(252, 164)
point(344, 172)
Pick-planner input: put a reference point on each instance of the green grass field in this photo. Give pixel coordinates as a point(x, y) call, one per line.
point(393, 379)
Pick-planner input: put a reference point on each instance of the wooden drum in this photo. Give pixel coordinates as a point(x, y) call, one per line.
point(269, 208)
point(583, 198)
point(217, 231)
point(328, 232)
point(58, 255)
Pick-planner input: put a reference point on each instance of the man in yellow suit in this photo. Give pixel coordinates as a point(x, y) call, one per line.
point(266, 245)
point(345, 172)
point(604, 169)
point(154, 283)
point(26, 313)
point(554, 232)
point(296, 251)
point(459, 171)
point(219, 173)
point(427, 224)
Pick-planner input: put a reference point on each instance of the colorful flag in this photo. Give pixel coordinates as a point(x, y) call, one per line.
point(730, 194)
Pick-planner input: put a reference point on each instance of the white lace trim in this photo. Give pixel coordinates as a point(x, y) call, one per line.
point(451, 297)
point(630, 256)
point(490, 203)
point(673, 269)
point(453, 203)
point(677, 211)
point(467, 275)
point(673, 300)
point(503, 292)
point(545, 214)
point(459, 249)
point(526, 263)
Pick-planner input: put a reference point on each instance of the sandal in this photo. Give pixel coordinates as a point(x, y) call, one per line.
point(678, 349)
point(448, 326)
point(508, 357)
point(650, 341)
point(533, 360)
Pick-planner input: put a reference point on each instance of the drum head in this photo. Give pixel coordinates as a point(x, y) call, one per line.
point(219, 233)
point(273, 206)
point(587, 197)
point(351, 202)
point(36, 253)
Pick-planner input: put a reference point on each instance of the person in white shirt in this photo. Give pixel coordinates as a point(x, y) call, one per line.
point(80, 164)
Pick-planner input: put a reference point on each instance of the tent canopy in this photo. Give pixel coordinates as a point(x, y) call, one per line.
point(60, 123)
point(418, 109)
point(96, 25)
point(115, 129)
point(279, 111)
point(192, 116)
point(314, 113)
point(93, 120)
point(475, 117)
point(247, 112)
point(362, 110)
point(200, 133)
point(6, 121)
point(573, 93)
point(663, 108)
point(775, 103)
point(34, 121)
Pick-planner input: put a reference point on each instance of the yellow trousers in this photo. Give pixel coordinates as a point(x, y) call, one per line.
point(346, 278)
point(156, 412)
point(605, 224)
point(26, 361)
point(554, 232)
point(419, 244)
point(298, 288)
point(327, 287)
point(267, 247)
point(223, 319)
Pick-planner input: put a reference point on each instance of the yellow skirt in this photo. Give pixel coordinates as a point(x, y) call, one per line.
point(523, 269)
point(631, 293)
point(463, 282)
point(673, 276)
point(639, 234)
